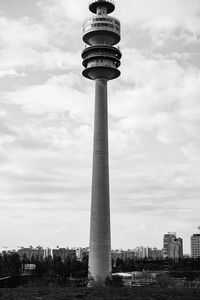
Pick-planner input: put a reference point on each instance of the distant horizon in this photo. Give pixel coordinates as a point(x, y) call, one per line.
point(74, 248)
point(62, 245)
point(4, 248)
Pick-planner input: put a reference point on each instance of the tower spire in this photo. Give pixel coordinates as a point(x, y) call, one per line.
point(101, 61)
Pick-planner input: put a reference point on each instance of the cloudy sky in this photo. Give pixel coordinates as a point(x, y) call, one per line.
point(46, 124)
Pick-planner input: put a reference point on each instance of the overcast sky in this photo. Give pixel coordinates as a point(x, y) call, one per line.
point(46, 124)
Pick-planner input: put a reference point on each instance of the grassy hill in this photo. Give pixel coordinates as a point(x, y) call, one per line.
point(98, 294)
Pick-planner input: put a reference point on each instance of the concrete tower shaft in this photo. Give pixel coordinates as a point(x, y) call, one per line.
point(101, 62)
point(100, 243)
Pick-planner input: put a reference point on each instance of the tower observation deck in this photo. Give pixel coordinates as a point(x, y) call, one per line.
point(101, 32)
point(101, 61)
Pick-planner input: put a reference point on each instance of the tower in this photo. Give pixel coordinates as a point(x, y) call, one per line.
point(101, 61)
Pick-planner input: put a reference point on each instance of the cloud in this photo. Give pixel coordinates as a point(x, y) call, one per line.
point(163, 23)
point(191, 151)
point(54, 97)
point(16, 33)
point(163, 14)
point(155, 99)
point(10, 72)
point(39, 50)
point(68, 10)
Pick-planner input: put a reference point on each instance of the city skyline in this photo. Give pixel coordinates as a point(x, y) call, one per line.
point(166, 238)
point(46, 121)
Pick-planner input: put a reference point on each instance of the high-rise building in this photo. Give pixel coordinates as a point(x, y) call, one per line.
point(195, 245)
point(138, 253)
point(47, 252)
point(167, 240)
point(81, 253)
point(64, 253)
point(172, 246)
point(176, 249)
point(155, 254)
point(101, 61)
point(31, 253)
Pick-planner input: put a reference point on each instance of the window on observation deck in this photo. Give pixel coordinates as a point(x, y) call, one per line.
point(101, 62)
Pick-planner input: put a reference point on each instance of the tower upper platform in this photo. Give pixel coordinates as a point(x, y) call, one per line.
point(101, 29)
point(101, 62)
point(109, 4)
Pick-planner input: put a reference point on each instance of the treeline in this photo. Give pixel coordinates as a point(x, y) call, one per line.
point(56, 268)
point(185, 268)
point(128, 265)
point(11, 265)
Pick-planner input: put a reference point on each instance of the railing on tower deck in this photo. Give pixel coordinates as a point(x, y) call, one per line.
point(103, 54)
point(100, 18)
point(87, 47)
point(101, 63)
point(92, 52)
point(101, 23)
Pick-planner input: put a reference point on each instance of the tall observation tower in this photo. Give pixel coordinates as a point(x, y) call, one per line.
point(101, 61)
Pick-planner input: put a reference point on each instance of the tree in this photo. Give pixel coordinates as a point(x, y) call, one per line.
point(115, 280)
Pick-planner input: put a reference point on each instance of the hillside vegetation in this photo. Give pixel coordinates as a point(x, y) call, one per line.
point(98, 294)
